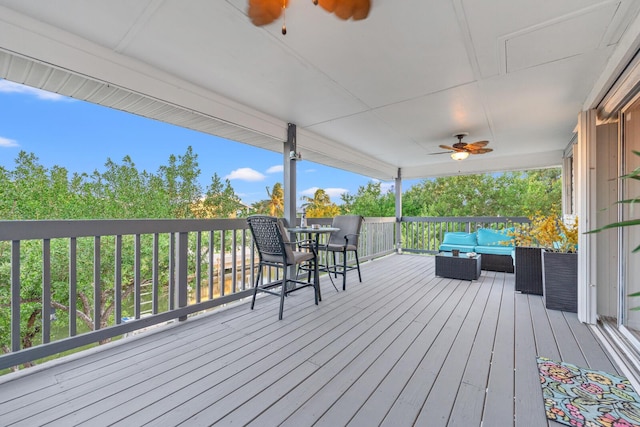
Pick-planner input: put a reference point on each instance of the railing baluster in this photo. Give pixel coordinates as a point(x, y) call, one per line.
point(210, 266)
point(137, 289)
point(97, 292)
point(73, 286)
point(234, 262)
point(154, 273)
point(172, 270)
point(223, 262)
point(15, 295)
point(46, 290)
point(243, 262)
point(182, 263)
point(117, 279)
point(198, 266)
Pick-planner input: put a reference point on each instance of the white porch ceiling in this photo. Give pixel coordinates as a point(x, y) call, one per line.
point(371, 96)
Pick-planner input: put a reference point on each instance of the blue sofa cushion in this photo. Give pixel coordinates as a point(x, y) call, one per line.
point(464, 242)
point(462, 248)
point(459, 238)
point(487, 237)
point(495, 250)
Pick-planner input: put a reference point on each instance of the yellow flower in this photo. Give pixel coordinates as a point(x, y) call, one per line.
point(549, 232)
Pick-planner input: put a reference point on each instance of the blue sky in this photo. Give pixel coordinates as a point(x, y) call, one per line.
point(81, 137)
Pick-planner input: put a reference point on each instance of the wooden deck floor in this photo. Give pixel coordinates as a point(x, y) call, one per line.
point(401, 348)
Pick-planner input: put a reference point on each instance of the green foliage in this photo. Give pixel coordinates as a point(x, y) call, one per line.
point(508, 194)
point(121, 191)
point(320, 205)
point(273, 205)
point(220, 201)
point(369, 201)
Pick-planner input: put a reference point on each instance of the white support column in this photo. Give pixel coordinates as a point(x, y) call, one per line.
point(289, 157)
point(289, 183)
point(398, 190)
point(585, 193)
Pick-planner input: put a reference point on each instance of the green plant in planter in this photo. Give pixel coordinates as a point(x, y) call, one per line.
point(546, 252)
point(549, 232)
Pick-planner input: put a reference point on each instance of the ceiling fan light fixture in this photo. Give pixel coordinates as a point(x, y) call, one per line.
point(459, 155)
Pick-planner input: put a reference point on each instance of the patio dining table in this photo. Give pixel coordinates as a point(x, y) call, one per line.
point(314, 234)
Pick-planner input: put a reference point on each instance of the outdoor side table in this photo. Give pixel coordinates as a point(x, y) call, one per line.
point(458, 267)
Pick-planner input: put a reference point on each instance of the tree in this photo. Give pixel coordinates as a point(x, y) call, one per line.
point(260, 207)
point(369, 201)
point(275, 203)
point(508, 194)
point(180, 179)
point(220, 201)
point(31, 191)
point(320, 205)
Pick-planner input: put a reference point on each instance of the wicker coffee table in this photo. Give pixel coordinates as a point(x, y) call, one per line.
point(458, 267)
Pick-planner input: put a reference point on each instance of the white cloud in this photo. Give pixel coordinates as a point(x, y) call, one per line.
point(335, 193)
point(275, 169)
point(8, 143)
point(245, 174)
point(309, 192)
point(11, 87)
point(385, 187)
point(309, 170)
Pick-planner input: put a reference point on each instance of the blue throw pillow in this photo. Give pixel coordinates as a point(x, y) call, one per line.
point(459, 238)
point(488, 237)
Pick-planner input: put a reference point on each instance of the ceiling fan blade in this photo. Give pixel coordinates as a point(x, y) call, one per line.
point(478, 144)
point(481, 151)
point(345, 9)
point(446, 147)
point(263, 12)
point(441, 152)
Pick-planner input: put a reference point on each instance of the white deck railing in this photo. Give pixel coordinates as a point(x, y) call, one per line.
point(75, 283)
point(141, 273)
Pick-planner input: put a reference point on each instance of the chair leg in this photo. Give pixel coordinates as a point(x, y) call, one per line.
point(344, 270)
point(358, 265)
point(328, 269)
point(283, 292)
point(255, 288)
point(316, 281)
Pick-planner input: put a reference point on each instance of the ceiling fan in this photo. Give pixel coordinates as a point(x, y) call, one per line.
point(263, 12)
point(461, 150)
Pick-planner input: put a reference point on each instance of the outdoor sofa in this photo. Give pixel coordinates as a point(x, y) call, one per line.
point(497, 247)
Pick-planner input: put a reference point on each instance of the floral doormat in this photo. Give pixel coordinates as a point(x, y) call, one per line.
point(583, 397)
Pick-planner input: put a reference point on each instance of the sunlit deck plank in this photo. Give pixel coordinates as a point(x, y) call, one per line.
point(527, 378)
point(500, 389)
point(468, 406)
point(404, 347)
